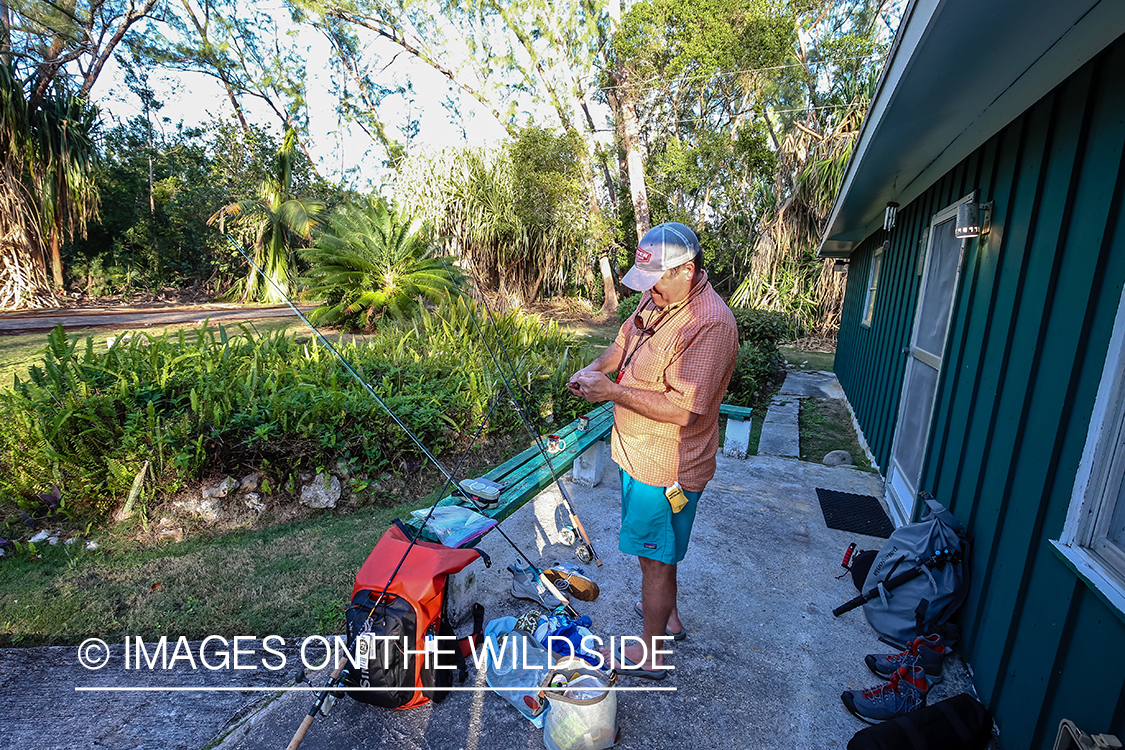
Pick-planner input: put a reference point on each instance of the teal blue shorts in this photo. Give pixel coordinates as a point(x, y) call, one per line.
point(649, 528)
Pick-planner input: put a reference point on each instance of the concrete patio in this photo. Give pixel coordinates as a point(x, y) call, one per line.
point(762, 667)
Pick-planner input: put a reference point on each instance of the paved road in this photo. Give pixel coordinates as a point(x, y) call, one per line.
point(81, 319)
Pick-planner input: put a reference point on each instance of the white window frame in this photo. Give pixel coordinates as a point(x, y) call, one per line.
point(872, 285)
point(1098, 483)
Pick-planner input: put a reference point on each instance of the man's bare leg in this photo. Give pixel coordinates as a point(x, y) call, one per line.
point(658, 602)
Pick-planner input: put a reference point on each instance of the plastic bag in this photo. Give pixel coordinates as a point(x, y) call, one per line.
point(517, 665)
point(454, 525)
point(558, 625)
point(584, 715)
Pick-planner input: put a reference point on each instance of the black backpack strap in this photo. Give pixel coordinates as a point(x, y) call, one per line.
point(473, 639)
point(962, 591)
point(448, 636)
point(920, 617)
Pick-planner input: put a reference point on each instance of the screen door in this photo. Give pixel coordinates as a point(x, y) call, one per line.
point(923, 368)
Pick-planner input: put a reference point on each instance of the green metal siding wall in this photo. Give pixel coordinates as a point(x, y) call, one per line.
point(1031, 325)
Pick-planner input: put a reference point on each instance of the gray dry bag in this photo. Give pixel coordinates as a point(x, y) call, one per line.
point(924, 604)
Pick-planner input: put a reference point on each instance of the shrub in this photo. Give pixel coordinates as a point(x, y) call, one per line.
point(759, 362)
point(87, 420)
point(627, 307)
point(764, 328)
point(372, 262)
point(753, 372)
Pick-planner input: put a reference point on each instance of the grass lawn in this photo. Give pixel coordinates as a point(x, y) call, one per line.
point(826, 426)
point(290, 580)
point(803, 359)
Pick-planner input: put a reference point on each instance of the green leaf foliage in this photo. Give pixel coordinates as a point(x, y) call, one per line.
point(222, 402)
point(759, 361)
point(372, 262)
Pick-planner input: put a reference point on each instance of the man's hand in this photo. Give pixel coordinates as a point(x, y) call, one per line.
point(592, 385)
point(608, 361)
point(574, 385)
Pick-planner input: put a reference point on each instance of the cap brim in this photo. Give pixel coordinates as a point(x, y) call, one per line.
point(640, 279)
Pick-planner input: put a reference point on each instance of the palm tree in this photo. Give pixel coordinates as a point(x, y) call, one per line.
point(62, 132)
point(47, 187)
point(372, 262)
point(271, 223)
point(515, 216)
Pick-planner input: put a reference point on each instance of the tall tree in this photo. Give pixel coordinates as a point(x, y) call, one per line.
point(508, 56)
point(272, 223)
point(813, 107)
point(53, 54)
point(242, 46)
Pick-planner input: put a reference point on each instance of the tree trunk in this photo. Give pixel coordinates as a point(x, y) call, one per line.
point(56, 259)
point(609, 307)
point(6, 30)
point(599, 155)
point(634, 152)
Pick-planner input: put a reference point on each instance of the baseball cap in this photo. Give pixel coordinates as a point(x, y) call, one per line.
point(664, 246)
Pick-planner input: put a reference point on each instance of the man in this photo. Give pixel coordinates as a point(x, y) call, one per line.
point(674, 360)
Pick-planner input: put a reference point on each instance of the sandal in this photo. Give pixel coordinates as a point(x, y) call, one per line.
point(629, 668)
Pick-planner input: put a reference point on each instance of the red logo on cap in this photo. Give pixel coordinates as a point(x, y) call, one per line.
point(643, 256)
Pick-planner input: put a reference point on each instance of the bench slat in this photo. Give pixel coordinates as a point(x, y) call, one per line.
point(741, 413)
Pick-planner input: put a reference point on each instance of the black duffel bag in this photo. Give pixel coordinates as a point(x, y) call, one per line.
point(957, 723)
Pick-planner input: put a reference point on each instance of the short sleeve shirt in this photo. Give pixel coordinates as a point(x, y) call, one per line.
point(689, 358)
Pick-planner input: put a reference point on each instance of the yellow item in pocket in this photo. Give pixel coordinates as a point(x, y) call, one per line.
point(676, 497)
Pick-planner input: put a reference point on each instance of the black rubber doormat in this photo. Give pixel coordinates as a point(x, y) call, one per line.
point(859, 514)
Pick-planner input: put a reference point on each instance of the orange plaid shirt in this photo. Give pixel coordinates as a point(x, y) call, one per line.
point(690, 359)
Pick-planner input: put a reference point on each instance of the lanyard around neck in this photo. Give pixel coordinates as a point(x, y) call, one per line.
point(644, 333)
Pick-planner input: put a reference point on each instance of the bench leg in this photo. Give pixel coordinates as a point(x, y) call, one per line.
point(589, 466)
point(737, 443)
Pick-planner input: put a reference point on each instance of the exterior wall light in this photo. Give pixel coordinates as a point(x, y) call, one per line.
point(840, 266)
point(890, 215)
point(973, 220)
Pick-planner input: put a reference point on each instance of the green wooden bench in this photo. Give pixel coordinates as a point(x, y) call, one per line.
point(526, 474)
point(740, 413)
point(737, 442)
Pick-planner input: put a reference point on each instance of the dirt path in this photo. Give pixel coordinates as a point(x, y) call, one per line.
point(81, 319)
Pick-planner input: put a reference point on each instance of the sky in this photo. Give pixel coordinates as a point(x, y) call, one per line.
point(194, 98)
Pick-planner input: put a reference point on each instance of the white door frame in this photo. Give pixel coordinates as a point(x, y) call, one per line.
point(902, 491)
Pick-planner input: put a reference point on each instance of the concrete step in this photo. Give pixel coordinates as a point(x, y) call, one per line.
point(780, 436)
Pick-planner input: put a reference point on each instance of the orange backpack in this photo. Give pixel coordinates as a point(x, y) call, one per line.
point(395, 639)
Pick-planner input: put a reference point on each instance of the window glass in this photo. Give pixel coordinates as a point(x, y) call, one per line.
point(872, 285)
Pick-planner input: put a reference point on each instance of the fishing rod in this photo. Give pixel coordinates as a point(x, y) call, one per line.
point(564, 600)
point(520, 409)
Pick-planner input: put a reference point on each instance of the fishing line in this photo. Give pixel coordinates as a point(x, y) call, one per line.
point(521, 410)
point(441, 467)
